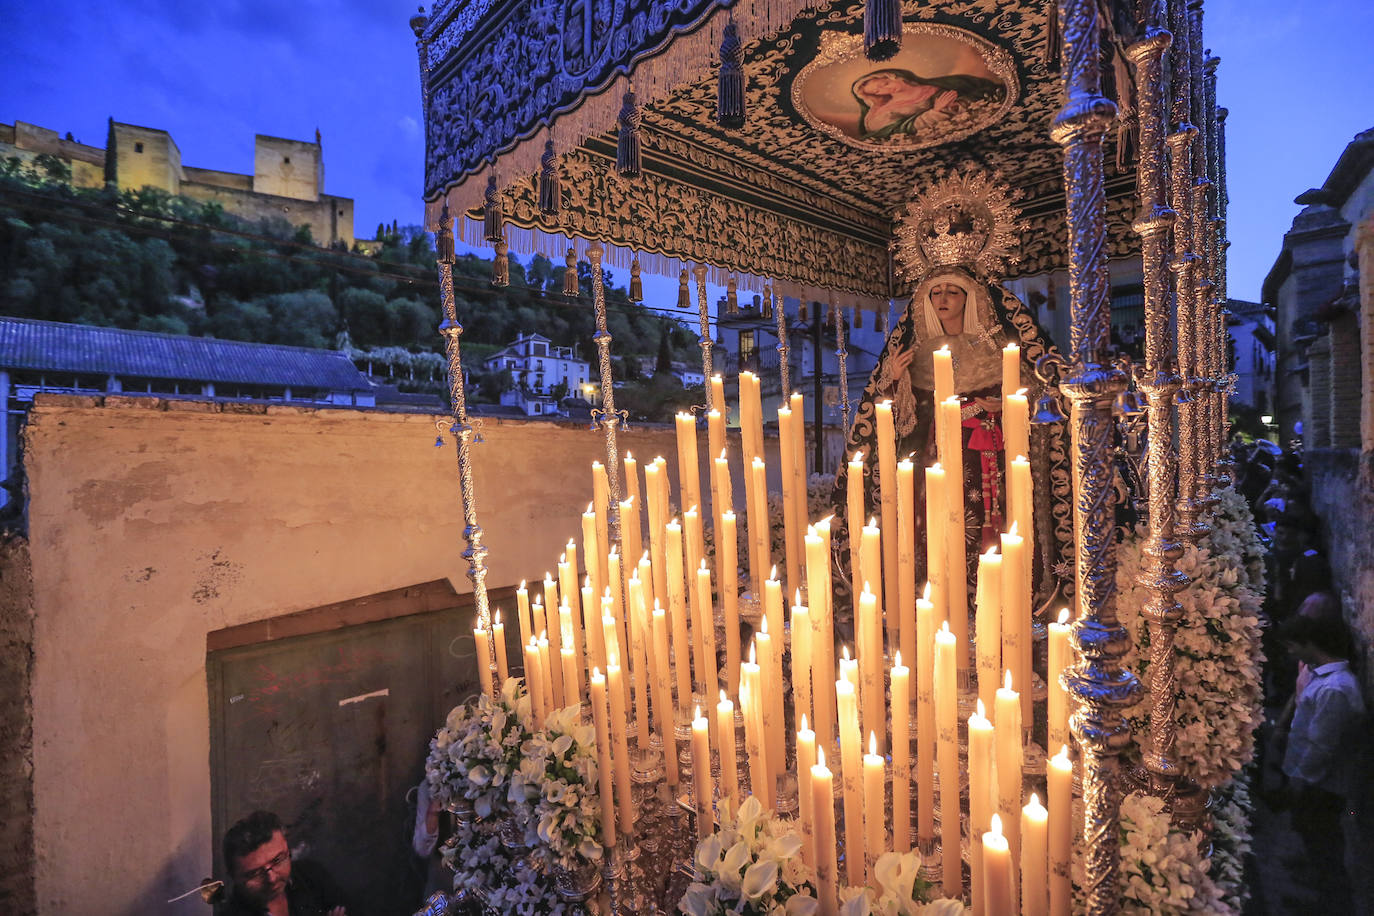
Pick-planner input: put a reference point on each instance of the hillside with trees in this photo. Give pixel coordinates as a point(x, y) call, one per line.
point(147, 260)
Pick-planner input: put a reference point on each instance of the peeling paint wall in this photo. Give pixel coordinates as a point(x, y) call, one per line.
point(16, 729)
point(152, 523)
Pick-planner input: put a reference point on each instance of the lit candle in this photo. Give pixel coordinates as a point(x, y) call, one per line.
point(792, 502)
point(980, 797)
point(549, 613)
point(522, 612)
point(770, 702)
point(546, 673)
point(801, 660)
point(1016, 423)
point(532, 685)
point(850, 763)
point(693, 545)
point(658, 517)
point(871, 695)
point(888, 491)
point(498, 638)
point(1011, 369)
point(631, 493)
point(601, 502)
point(937, 534)
point(688, 472)
point(589, 605)
point(1034, 868)
point(640, 658)
point(567, 594)
point(631, 539)
point(855, 511)
point(925, 718)
point(755, 744)
point(591, 548)
point(759, 525)
point(1016, 613)
point(728, 578)
point(799, 468)
point(718, 394)
point(677, 606)
point(806, 759)
point(701, 775)
point(901, 756)
point(956, 556)
point(849, 670)
point(1058, 701)
point(605, 767)
point(999, 893)
point(906, 558)
point(538, 619)
point(725, 729)
point(1060, 782)
point(1019, 501)
point(875, 807)
point(1007, 719)
point(715, 445)
point(619, 634)
point(482, 641)
point(663, 696)
point(772, 614)
point(568, 661)
point(944, 373)
point(822, 635)
point(823, 808)
point(989, 625)
point(706, 626)
point(610, 636)
point(947, 752)
point(620, 739)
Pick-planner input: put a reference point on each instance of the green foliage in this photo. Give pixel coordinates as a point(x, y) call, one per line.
point(152, 261)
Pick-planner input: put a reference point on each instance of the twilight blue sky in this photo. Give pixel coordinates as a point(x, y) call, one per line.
point(1295, 76)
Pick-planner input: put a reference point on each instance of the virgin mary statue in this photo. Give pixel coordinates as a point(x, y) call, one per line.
point(953, 245)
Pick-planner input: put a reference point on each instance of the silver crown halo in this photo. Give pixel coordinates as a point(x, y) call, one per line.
point(965, 219)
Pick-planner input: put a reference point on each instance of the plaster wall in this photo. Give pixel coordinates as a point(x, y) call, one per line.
point(152, 523)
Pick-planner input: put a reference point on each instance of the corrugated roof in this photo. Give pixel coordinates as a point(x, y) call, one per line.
point(50, 346)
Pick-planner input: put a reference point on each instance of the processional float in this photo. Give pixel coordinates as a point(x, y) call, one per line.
point(842, 156)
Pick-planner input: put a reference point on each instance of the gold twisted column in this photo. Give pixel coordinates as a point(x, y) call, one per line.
point(784, 350)
point(1097, 681)
point(704, 315)
point(1227, 467)
point(1221, 467)
point(842, 354)
point(476, 552)
point(1160, 384)
point(608, 416)
point(1205, 307)
point(1185, 266)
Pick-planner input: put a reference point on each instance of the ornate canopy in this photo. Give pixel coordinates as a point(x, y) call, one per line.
point(806, 194)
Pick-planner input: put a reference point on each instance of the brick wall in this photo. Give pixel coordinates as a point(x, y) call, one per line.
point(16, 729)
point(1317, 422)
point(1343, 496)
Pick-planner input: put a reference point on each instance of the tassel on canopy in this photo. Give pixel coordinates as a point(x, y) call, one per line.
point(1052, 36)
point(801, 310)
point(730, 81)
point(684, 298)
point(882, 28)
point(636, 284)
point(628, 158)
point(550, 190)
point(500, 267)
point(767, 309)
point(443, 239)
point(858, 322)
point(732, 296)
point(492, 214)
point(570, 286)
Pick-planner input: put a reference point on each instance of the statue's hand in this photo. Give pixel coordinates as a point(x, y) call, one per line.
point(901, 362)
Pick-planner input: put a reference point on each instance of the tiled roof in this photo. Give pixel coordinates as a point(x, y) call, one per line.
point(50, 346)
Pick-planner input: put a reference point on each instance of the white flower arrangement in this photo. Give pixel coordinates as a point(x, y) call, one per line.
point(1163, 871)
point(1216, 650)
point(478, 750)
point(900, 891)
point(1231, 807)
point(751, 866)
point(558, 776)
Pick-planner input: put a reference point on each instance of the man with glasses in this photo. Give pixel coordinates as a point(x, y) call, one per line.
point(266, 882)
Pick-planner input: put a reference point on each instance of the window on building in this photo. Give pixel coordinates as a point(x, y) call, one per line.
point(747, 349)
point(138, 147)
point(286, 160)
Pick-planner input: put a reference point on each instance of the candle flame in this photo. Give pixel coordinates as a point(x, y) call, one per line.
point(897, 663)
point(763, 626)
point(1021, 392)
point(722, 455)
point(723, 697)
point(803, 721)
point(1007, 679)
point(873, 743)
point(1062, 758)
point(944, 628)
point(522, 586)
point(1012, 530)
point(758, 462)
point(825, 522)
point(1034, 802)
point(692, 512)
point(997, 826)
point(773, 574)
point(982, 710)
point(543, 636)
point(820, 757)
point(696, 714)
point(615, 552)
point(753, 658)
point(858, 458)
point(658, 608)
point(607, 596)
point(926, 595)
point(867, 592)
point(1020, 459)
point(1063, 615)
point(992, 552)
point(645, 558)
point(937, 467)
point(572, 545)
point(498, 617)
point(796, 603)
point(727, 516)
point(629, 456)
point(674, 524)
point(703, 565)
point(844, 653)
point(872, 521)
point(587, 581)
point(944, 348)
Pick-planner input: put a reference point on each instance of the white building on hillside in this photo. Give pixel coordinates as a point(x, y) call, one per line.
point(542, 372)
